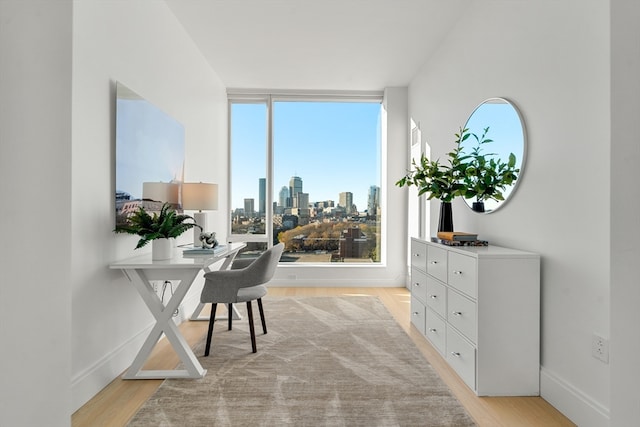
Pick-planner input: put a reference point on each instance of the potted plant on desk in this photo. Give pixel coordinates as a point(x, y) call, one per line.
point(161, 229)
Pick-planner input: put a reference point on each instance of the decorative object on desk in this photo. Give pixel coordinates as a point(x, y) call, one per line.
point(168, 224)
point(492, 178)
point(199, 196)
point(199, 250)
point(208, 239)
point(457, 236)
point(162, 249)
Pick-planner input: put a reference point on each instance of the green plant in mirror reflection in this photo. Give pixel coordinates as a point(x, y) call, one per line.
point(485, 175)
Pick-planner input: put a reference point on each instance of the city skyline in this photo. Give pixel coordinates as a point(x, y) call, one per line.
point(333, 146)
point(286, 191)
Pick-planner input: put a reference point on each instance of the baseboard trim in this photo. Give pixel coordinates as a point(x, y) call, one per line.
point(334, 283)
point(573, 403)
point(86, 384)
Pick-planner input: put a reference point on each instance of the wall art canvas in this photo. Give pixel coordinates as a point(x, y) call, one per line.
point(149, 156)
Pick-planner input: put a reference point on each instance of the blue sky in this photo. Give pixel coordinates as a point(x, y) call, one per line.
point(149, 146)
point(332, 146)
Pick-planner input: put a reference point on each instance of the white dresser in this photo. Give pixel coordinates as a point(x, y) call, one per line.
point(480, 308)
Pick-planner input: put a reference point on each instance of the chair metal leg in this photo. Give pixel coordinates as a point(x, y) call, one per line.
point(230, 314)
point(264, 324)
point(251, 329)
point(212, 319)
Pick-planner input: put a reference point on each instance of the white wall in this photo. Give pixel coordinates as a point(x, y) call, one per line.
point(35, 177)
point(552, 60)
point(625, 217)
point(142, 45)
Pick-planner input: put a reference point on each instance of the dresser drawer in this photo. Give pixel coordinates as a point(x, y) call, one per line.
point(419, 284)
point(436, 296)
point(461, 314)
point(436, 331)
point(461, 355)
point(437, 263)
point(463, 273)
point(418, 255)
point(418, 314)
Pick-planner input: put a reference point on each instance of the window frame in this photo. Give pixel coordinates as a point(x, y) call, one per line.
point(268, 98)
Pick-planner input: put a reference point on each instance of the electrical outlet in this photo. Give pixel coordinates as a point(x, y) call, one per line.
point(600, 348)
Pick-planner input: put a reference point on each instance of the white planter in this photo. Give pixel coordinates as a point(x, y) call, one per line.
point(162, 249)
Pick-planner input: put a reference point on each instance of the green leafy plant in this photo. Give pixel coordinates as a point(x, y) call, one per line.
point(474, 175)
point(485, 176)
point(443, 181)
point(149, 227)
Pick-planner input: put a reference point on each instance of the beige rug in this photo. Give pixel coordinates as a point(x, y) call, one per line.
point(326, 361)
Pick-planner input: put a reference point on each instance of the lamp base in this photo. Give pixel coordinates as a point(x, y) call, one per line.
point(199, 218)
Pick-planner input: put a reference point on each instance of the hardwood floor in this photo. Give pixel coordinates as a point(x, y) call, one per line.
point(120, 400)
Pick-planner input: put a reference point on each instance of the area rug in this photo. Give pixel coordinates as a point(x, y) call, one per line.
point(325, 361)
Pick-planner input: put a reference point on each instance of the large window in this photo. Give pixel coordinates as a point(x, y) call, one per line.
point(307, 173)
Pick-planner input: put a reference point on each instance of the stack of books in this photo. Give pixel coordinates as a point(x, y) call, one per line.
point(458, 238)
point(199, 250)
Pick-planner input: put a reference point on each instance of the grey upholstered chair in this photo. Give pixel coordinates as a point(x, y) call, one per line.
point(244, 282)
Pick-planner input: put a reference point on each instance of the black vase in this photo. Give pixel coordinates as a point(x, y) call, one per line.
point(477, 206)
point(445, 223)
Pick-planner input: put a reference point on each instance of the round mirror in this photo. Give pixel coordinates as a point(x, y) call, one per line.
point(496, 148)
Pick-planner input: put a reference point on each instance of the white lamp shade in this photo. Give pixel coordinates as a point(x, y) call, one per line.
point(161, 191)
point(199, 196)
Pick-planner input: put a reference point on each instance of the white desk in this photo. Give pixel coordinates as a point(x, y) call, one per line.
point(141, 271)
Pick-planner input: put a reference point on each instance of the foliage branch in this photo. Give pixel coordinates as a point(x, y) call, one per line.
point(167, 224)
point(474, 175)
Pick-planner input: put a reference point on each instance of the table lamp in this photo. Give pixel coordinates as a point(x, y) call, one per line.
point(161, 192)
point(199, 196)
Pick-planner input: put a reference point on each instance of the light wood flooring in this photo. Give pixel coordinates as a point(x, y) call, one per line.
point(120, 400)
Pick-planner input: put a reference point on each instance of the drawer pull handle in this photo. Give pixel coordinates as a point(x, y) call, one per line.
point(434, 262)
point(416, 255)
point(416, 284)
point(455, 354)
point(456, 313)
point(432, 329)
point(415, 313)
point(433, 296)
point(457, 272)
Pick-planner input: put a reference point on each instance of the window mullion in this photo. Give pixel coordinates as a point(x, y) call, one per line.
point(269, 181)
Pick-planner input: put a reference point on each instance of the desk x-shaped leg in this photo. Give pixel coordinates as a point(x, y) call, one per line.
point(164, 324)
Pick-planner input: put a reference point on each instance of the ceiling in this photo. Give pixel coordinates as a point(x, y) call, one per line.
point(317, 44)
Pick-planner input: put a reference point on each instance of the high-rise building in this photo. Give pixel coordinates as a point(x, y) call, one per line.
point(302, 201)
point(262, 196)
point(345, 200)
point(295, 187)
point(249, 208)
point(373, 201)
point(283, 196)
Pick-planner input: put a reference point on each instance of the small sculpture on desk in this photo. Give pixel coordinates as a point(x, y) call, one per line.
point(208, 240)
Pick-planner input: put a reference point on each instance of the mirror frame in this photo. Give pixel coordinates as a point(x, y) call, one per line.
point(501, 100)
